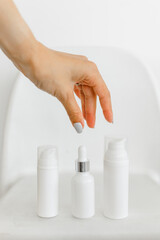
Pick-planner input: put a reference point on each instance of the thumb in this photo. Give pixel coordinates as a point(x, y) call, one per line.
point(73, 110)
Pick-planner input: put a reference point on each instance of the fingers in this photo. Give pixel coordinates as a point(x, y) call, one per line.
point(90, 105)
point(91, 77)
point(77, 91)
point(102, 91)
point(88, 102)
point(82, 102)
point(105, 100)
point(69, 102)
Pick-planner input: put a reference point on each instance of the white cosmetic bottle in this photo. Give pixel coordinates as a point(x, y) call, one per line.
point(47, 182)
point(82, 187)
point(116, 170)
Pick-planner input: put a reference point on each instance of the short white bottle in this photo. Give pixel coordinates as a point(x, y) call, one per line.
point(82, 187)
point(47, 182)
point(116, 170)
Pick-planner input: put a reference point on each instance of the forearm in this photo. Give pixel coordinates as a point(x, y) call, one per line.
point(16, 39)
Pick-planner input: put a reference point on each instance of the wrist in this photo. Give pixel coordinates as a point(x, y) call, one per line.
point(28, 60)
point(19, 48)
point(21, 53)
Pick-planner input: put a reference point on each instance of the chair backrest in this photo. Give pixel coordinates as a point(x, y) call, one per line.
point(8, 76)
point(37, 118)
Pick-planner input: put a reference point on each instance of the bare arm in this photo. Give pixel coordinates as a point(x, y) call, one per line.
point(57, 73)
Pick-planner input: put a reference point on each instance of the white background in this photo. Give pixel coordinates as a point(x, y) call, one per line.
point(131, 24)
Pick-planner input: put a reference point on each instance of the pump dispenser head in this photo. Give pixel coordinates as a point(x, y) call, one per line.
point(82, 163)
point(117, 143)
point(47, 157)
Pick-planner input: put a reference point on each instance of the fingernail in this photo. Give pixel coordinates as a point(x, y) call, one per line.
point(78, 127)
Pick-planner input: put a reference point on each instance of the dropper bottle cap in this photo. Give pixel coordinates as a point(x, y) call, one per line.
point(82, 163)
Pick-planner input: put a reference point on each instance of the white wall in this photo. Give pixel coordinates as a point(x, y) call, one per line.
point(132, 24)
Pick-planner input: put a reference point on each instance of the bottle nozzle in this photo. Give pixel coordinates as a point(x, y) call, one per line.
point(82, 163)
point(82, 154)
point(117, 143)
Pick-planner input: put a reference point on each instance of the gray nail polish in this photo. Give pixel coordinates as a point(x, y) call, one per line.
point(78, 127)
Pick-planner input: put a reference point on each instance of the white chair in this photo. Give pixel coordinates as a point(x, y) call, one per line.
point(35, 118)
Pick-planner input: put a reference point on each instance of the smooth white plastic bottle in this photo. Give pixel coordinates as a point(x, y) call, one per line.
point(47, 182)
point(82, 187)
point(116, 170)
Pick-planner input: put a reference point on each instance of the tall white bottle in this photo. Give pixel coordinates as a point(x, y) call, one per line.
point(47, 182)
point(116, 170)
point(82, 187)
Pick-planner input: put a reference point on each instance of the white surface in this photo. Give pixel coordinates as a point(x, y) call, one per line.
point(18, 218)
point(34, 119)
point(116, 181)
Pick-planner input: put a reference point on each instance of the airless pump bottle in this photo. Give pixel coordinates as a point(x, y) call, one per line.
point(47, 182)
point(116, 167)
point(82, 187)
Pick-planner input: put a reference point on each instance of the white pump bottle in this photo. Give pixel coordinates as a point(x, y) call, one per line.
point(116, 168)
point(47, 182)
point(83, 189)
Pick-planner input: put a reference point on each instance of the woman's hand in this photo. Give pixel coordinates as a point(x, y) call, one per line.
point(62, 74)
point(59, 74)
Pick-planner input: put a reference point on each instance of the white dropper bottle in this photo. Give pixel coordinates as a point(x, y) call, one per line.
point(116, 170)
point(82, 187)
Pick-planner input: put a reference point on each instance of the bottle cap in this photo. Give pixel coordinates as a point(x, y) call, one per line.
point(47, 157)
point(82, 163)
point(116, 143)
point(116, 151)
point(82, 154)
